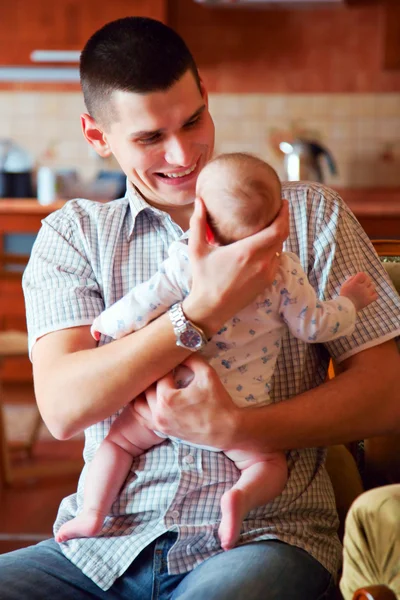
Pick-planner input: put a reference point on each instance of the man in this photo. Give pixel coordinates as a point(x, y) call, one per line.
point(148, 107)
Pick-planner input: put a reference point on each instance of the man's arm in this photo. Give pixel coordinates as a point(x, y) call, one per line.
point(363, 401)
point(78, 384)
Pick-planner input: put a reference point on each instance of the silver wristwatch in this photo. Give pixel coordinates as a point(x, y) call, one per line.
point(187, 335)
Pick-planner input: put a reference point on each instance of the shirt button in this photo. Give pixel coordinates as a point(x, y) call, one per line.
point(189, 459)
point(175, 514)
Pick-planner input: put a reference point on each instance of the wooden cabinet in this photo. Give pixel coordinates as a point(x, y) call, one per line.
point(391, 50)
point(391, 29)
point(27, 25)
point(16, 216)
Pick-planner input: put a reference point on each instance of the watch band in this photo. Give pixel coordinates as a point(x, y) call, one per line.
point(178, 316)
point(182, 325)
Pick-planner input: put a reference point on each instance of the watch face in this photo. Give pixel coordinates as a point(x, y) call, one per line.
point(190, 339)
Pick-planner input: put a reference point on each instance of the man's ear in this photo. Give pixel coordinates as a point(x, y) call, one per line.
point(95, 135)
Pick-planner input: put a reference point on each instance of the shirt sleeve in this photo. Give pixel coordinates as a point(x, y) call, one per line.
point(341, 248)
point(308, 318)
point(59, 284)
point(148, 300)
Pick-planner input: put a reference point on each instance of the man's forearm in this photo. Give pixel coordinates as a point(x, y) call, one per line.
point(361, 402)
point(77, 386)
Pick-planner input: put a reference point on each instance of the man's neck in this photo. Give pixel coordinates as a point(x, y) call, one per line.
point(181, 216)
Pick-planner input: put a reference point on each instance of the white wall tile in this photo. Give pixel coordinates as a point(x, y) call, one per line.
point(355, 127)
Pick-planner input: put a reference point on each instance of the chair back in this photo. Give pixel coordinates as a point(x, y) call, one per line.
point(387, 248)
point(12, 318)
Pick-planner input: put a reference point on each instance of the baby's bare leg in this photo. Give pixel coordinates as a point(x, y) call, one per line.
point(107, 472)
point(263, 477)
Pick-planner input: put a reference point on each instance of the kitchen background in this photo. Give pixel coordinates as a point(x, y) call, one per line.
point(329, 74)
point(361, 130)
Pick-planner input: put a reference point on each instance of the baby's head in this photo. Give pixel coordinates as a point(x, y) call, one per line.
point(242, 195)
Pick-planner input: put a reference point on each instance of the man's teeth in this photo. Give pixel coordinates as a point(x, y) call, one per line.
point(181, 173)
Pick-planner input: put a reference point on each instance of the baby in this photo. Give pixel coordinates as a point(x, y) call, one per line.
point(242, 195)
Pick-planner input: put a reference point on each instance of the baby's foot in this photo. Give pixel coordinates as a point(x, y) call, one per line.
point(86, 524)
point(360, 289)
point(234, 510)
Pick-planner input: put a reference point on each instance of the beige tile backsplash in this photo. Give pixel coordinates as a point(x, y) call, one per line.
point(362, 131)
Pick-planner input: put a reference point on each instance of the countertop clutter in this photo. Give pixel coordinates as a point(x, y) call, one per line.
point(377, 209)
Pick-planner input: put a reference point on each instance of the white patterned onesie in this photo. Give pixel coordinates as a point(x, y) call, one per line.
point(245, 350)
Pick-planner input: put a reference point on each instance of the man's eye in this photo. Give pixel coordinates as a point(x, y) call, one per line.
point(152, 139)
point(192, 123)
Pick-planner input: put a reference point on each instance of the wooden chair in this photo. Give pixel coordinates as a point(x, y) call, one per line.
point(387, 247)
point(12, 344)
point(14, 356)
point(374, 592)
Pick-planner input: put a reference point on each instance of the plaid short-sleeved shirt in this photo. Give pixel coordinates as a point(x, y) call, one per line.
point(88, 255)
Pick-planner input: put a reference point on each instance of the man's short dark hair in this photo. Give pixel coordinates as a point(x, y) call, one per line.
point(133, 54)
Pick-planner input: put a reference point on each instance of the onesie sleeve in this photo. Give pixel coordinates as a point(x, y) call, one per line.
point(150, 299)
point(307, 317)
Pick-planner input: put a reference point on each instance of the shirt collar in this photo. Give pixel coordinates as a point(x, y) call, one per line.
point(138, 204)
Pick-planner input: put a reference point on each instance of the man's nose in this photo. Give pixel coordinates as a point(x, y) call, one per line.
point(178, 151)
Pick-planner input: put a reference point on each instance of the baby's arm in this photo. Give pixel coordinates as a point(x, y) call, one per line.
point(314, 320)
point(147, 300)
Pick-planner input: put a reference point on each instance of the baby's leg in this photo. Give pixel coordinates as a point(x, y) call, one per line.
point(263, 477)
point(107, 472)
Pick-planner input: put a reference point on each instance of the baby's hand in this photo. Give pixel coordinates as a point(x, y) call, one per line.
point(360, 289)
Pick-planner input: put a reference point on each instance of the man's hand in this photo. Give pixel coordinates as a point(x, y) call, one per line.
point(202, 413)
point(228, 278)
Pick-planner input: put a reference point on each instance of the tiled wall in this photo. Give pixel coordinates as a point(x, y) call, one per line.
point(362, 131)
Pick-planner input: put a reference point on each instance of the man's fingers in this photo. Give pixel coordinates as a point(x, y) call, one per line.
point(167, 384)
point(163, 386)
point(282, 220)
point(198, 238)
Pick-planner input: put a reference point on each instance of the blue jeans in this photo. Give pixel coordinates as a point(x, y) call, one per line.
point(268, 570)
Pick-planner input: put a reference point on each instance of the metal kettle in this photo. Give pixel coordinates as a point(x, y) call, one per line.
point(302, 160)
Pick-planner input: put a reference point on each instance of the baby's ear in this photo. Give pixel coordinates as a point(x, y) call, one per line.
point(209, 235)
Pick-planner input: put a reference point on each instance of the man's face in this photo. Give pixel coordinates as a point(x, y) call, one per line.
point(162, 140)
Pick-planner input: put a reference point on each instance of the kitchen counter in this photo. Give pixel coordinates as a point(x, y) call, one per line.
point(372, 201)
point(22, 215)
point(377, 209)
